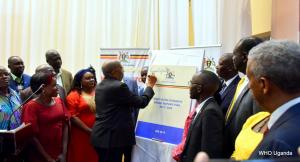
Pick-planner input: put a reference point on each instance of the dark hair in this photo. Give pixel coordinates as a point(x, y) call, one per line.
point(51, 53)
point(76, 84)
point(39, 79)
point(212, 82)
point(9, 61)
point(247, 43)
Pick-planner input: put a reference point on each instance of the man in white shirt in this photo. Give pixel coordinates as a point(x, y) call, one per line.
point(142, 84)
point(274, 77)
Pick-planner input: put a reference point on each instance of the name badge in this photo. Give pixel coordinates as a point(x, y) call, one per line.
point(20, 87)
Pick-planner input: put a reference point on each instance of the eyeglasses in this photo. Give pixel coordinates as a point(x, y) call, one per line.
point(190, 83)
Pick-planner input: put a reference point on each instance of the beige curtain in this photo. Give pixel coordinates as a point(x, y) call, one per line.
point(236, 22)
point(79, 28)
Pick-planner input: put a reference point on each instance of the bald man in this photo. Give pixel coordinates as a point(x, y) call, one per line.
point(18, 80)
point(242, 105)
point(113, 132)
point(64, 77)
point(44, 68)
point(229, 74)
point(206, 129)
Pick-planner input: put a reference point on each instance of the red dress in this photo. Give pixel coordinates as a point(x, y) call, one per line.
point(48, 123)
point(80, 148)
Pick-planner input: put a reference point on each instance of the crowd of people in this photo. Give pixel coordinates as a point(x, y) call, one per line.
point(250, 109)
point(259, 96)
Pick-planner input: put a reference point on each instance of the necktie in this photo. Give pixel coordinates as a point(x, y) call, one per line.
point(223, 88)
point(194, 114)
point(238, 88)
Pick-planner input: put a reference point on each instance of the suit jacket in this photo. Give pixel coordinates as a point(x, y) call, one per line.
point(67, 80)
point(114, 126)
point(227, 95)
point(133, 87)
point(244, 107)
point(283, 137)
point(132, 84)
point(25, 79)
point(205, 133)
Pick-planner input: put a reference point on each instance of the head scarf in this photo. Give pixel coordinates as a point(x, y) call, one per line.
point(78, 76)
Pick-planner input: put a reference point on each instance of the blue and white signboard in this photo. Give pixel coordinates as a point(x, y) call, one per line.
point(163, 119)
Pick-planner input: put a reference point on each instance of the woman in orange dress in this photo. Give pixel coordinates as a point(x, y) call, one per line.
point(81, 105)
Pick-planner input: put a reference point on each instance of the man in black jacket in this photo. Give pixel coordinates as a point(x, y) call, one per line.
point(242, 105)
point(113, 132)
point(229, 74)
point(206, 129)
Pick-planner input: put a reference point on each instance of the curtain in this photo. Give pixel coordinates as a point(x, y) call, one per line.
point(206, 22)
point(235, 21)
point(79, 28)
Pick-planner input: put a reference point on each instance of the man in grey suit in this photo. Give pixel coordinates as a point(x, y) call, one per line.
point(242, 105)
point(113, 132)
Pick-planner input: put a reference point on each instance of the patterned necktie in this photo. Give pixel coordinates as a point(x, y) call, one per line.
point(238, 88)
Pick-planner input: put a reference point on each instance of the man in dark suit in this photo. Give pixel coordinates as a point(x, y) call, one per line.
point(64, 77)
point(18, 80)
point(113, 132)
point(144, 73)
point(136, 89)
point(206, 130)
point(229, 74)
point(133, 87)
point(273, 71)
point(242, 105)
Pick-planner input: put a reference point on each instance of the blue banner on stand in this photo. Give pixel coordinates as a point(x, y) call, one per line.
point(158, 132)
